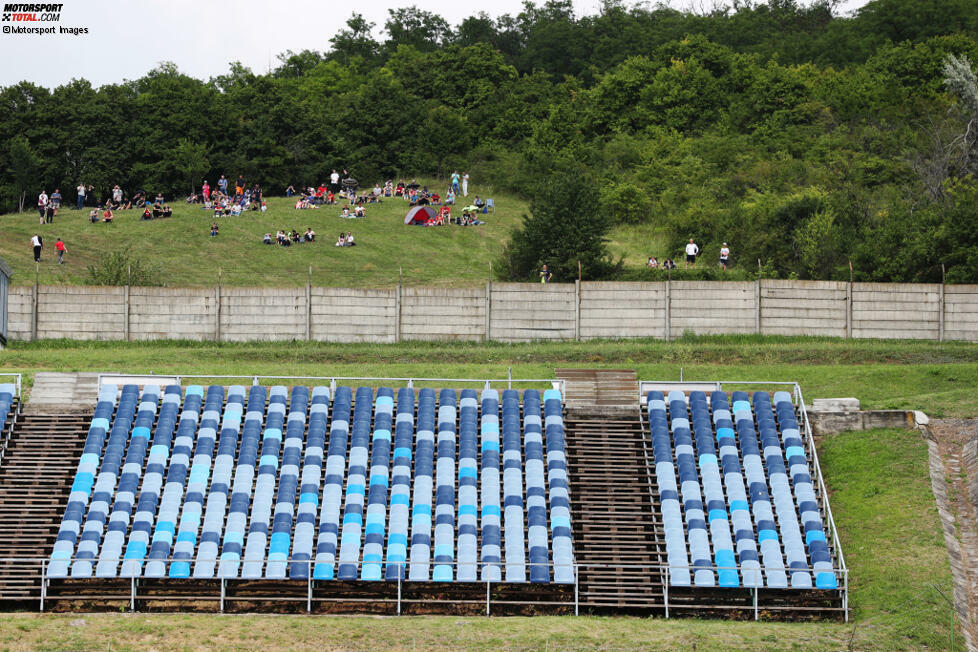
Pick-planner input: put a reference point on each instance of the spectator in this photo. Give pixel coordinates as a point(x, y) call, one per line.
point(691, 251)
point(55, 201)
point(206, 190)
point(222, 185)
point(345, 213)
point(653, 263)
point(167, 211)
point(359, 211)
point(289, 191)
point(341, 241)
point(334, 181)
point(81, 196)
point(147, 215)
point(157, 210)
point(455, 181)
point(267, 239)
point(349, 239)
point(465, 184)
point(38, 244)
point(310, 235)
point(42, 204)
point(49, 214)
point(669, 264)
point(107, 215)
point(478, 202)
point(159, 199)
point(117, 194)
point(60, 247)
point(213, 229)
point(239, 186)
point(93, 216)
point(724, 256)
point(450, 197)
point(546, 275)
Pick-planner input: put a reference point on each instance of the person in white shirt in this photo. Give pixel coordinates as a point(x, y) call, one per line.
point(334, 181)
point(42, 204)
point(724, 256)
point(37, 243)
point(81, 196)
point(691, 251)
point(465, 184)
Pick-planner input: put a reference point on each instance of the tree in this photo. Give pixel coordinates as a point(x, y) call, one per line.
point(565, 226)
point(23, 166)
point(190, 159)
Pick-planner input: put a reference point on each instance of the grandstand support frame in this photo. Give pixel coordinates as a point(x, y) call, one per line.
point(131, 592)
point(5, 433)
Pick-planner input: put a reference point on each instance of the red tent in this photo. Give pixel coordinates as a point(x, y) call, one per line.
point(419, 215)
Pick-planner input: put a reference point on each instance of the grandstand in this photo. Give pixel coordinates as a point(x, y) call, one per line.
point(591, 493)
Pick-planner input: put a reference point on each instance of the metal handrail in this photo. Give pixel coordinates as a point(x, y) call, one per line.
point(18, 381)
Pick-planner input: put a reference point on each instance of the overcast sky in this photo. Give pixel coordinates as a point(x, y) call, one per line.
point(127, 39)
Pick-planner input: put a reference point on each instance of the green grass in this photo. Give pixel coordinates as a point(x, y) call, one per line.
point(187, 256)
point(880, 491)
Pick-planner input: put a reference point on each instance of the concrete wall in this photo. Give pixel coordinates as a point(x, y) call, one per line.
point(498, 311)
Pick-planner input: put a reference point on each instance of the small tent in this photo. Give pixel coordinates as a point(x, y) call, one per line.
point(419, 215)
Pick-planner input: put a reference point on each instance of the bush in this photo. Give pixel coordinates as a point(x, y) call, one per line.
point(625, 203)
point(121, 267)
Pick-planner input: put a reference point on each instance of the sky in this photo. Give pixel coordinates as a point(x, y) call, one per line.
point(126, 39)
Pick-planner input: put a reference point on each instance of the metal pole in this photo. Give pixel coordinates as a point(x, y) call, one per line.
point(309, 586)
point(399, 571)
point(845, 594)
point(132, 593)
point(222, 592)
point(487, 597)
point(44, 581)
point(755, 602)
point(576, 599)
point(665, 593)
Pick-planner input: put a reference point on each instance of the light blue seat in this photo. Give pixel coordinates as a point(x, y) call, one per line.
point(560, 525)
point(329, 515)
point(421, 504)
point(256, 542)
point(400, 502)
point(125, 495)
point(172, 496)
point(468, 487)
point(198, 478)
point(356, 484)
point(665, 475)
point(490, 486)
point(81, 487)
point(105, 482)
point(309, 486)
point(515, 543)
point(378, 482)
point(288, 484)
point(444, 551)
point(536, 493)
point(232, 543)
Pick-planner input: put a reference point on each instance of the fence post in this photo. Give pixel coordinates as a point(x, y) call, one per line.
point(309, 586)
point(401, 570)
point(34, 306)
point(576, 598)
point(849, 310)
point(397, 313)
point(126, 335)
point(577, 309)
point(668, 309)
point(309, 306)
point(217, 321)
point(940, 317)
point(44, 581)
point(132, 593)
point(487, 597)
point(845, 595)
point(755, 602)
point(488, 309)
point(757, 306)
point(222, 592)
point(665, 592)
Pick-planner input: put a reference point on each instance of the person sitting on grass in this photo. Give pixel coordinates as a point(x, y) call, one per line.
point(235, 210)
point(345, 213)
point(653, 263)
point(341, 241)
point(294, 237)
point(310, 235)
point(93, 216)
point(279, 236)
point(349, 239)
point(360, 211)
point(157, 211)
point(107, 216)
point(213, 229)
point(268, 237)
point(330, 198)
point(147, 215)
point(167, 211)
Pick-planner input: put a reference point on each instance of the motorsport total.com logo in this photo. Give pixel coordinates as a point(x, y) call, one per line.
point(35, 13)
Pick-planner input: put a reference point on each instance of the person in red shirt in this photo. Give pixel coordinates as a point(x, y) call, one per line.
point(60, 247)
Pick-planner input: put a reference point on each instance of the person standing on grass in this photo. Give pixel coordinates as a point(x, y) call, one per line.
point(60, 247)
point(37, 244)
point(222, 185)
point(546, 275)
point(691, 251)
point(465, 184)
point(724, 256)
point(81, 196)
point(42, 204)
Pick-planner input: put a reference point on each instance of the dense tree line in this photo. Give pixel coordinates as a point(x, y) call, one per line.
point(809, 139)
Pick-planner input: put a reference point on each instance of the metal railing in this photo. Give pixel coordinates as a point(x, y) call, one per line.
point(403, 578)
point(487, 383)
point(17, 381)
point(5, 433)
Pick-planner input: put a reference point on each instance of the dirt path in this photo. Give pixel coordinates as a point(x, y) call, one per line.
point(953, 450)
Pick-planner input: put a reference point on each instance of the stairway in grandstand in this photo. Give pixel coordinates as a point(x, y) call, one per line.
point(35, 477)
point(613, 514)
